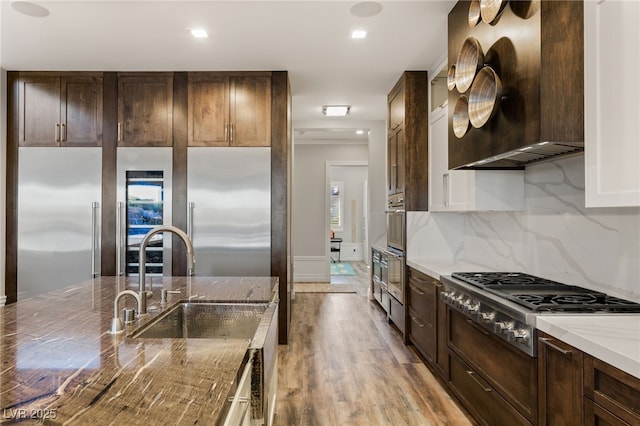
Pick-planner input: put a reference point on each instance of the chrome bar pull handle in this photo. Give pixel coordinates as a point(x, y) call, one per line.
point(119, 132)
point(63, 133)
point(120, 239)
point(231, 133)
point(226, 132)
point(56, 133)
point(95, 238)
point(445, 188)
point(192, 205)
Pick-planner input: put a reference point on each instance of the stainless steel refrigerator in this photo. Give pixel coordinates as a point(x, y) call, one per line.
point(229, 201)
point(58, 217)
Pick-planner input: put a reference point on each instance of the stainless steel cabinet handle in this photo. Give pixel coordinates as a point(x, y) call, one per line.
point(546, 341)
point(417, 290)
point(63, 133)
point(226, 132)
point(56, 133)
point(478, 382)
point(445, 188)
point(414, 319)
point(119, 132)
point(231, 133)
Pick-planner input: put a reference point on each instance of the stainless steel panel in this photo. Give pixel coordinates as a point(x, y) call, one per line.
point(56, 189)
point(230, 189)
point(146, 159)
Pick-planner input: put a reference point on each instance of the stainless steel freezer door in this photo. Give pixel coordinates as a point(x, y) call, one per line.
point(56, 190)
point(230, 189)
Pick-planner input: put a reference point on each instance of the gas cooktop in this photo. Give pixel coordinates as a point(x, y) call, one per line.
point(540, 294)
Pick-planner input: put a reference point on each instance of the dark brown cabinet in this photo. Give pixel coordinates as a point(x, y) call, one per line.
point(229, 110)
point(60, 110)
point(427, 320)
point(559, 382)
point(145, 109)
point(611, 396)
point(407, 140)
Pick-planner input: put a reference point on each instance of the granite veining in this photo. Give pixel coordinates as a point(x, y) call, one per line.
point(59, 362)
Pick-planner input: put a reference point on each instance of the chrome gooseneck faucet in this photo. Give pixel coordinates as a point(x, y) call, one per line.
point(143, 258)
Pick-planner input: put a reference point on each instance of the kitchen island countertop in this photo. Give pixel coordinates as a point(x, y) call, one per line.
point(59, 363)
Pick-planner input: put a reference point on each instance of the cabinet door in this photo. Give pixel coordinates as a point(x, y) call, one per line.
point(81, 111)
point(395, 162)
point(208, 112)
point(396, 107)
point(612, 35)
point(145, 110)
point(39, 113)
point(250, 103)
point(560, 382)
point(438, 159)
point(422, 313)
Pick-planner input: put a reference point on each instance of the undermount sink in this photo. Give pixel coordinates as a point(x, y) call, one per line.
point(205, 321)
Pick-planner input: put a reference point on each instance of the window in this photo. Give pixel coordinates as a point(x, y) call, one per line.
point(336, 206)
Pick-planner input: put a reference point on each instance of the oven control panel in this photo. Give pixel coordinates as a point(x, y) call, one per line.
point(491, 317)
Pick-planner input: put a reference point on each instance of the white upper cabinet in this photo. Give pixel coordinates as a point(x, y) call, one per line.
point(463, 190)
point(612, 107)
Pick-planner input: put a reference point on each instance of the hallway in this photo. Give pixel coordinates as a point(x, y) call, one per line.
point(345, 365)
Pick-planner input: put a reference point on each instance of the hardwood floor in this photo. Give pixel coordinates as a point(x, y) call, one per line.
point(346, 365)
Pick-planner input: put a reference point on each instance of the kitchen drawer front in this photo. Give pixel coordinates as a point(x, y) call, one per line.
point(510, 371)
point(595, 415)
point(486, 405)
point(612, 389)
point(423, 336)
point(422, 295)
point(396, 313)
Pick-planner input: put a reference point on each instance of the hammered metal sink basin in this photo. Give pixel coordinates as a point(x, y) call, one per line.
point(205, 321)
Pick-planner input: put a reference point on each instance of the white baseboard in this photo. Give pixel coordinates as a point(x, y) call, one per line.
point(311, 269)
point(3, 300)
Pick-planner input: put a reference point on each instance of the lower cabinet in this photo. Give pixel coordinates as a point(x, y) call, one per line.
point(611, 396)
point(559, 382)
point(396, 313)
point(427, 320)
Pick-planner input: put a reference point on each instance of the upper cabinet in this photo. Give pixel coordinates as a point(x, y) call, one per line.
point(229, 110)
point(60, 109)
point(517, 91)
point(407, 144)
point(612, 90)
point(145, 109)
point(463, 190)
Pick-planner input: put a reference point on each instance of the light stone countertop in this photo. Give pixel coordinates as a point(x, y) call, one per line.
point(437, 268)
point(614, 339)
point(58, 359)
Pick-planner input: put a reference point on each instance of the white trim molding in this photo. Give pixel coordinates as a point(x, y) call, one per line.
point(311, 269)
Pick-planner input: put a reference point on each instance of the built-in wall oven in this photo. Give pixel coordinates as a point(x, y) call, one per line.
point(396, 223)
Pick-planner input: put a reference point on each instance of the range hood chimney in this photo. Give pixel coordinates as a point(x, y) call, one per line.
point(534, 52)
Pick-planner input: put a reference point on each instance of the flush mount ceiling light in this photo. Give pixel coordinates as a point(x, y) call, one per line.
point(359, 132)
point(336, 110)
point(366, 9)
point(199, 33)
point(359, 34)
point(29, 9)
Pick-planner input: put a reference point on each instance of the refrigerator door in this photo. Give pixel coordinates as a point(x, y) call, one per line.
point(229, 194)
point(58, 194)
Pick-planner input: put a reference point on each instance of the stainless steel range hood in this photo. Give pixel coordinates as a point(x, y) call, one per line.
point(528, 155)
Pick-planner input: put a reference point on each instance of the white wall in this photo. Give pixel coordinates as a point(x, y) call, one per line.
point(555, 237)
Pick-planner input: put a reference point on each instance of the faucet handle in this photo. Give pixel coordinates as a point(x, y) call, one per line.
point(163, 294)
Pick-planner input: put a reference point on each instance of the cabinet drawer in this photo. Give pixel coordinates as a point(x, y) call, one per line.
point(612, 389)
point(487, 406)
point(511, 372)
point(423, 336)
point(595, 415)
point(422, 294)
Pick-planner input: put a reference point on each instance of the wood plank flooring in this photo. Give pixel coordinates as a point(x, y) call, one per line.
point(346, 365)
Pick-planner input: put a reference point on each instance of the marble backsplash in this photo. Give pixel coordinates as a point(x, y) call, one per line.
point(555, 237)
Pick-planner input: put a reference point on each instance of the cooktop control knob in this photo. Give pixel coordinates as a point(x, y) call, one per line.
point(487, 317)
point(503, 327)
point(471, 307)
point(446, 296)
point(520, 335)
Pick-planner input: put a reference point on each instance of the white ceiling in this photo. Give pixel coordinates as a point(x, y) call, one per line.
point(309, 39)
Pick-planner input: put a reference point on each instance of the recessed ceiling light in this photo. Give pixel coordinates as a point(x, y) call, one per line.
point(359, 34)
point(336, 110)
point(29, 9)
point(199, 33)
